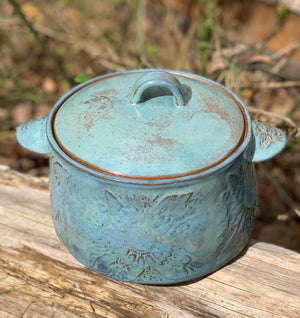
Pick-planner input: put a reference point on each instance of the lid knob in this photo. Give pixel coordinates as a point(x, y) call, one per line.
point(155, 84)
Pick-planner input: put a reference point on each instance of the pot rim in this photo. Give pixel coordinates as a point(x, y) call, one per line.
point(96, 171)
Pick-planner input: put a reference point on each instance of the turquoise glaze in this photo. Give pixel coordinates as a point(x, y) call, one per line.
point(151, 173)
point(163, 135)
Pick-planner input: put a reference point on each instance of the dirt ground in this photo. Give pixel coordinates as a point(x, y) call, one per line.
point(46, 47)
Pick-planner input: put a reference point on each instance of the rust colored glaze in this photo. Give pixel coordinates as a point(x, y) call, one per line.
point(212, 106)
point(101, 99)
point(158, 177)
point(162, 177)
point(128, 181)
point(148, 147)
point(93, 114)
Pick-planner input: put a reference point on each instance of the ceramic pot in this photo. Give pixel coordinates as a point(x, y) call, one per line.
point(151, 173)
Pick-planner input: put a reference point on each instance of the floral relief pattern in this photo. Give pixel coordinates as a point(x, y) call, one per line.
point(156, 236)
point(140, 252)
point(240, 202)
point(267, 135)
point(62, 190)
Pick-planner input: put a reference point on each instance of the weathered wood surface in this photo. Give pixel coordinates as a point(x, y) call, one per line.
point(39, 278)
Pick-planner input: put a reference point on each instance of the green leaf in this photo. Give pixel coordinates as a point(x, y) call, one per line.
point(282, 13)
point(151, 48)
point(80, 78)
point(207, 45)
point(61, 49)
point(293, 143)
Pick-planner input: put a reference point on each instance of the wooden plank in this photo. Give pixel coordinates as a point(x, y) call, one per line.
point(40, 278)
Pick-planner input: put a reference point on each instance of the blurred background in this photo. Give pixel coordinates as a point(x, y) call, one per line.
point(252, 47)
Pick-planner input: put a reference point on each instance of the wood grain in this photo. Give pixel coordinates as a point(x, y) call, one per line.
point(39, 277)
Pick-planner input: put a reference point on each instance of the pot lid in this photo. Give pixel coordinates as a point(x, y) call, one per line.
point(149, 124)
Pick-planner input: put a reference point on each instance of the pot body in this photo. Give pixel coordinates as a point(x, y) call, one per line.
point(153, 234)
point(153, 228)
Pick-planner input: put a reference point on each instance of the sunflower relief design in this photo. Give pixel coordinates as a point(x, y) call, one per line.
point(145, 241)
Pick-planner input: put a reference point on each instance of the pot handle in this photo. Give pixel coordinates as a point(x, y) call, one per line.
point(32, 135)
point(268, 142)
point(154, 84)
